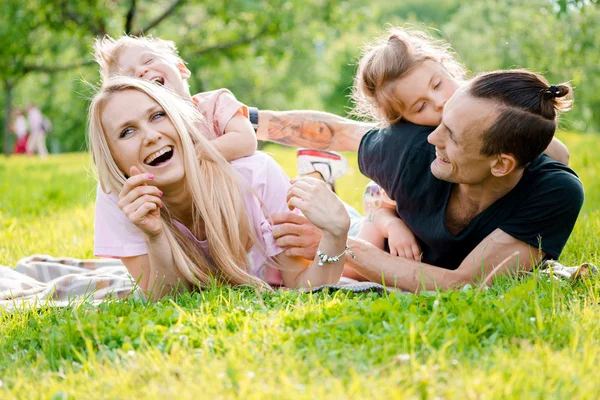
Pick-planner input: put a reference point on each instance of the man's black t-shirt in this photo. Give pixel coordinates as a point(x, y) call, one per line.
point(540, 211)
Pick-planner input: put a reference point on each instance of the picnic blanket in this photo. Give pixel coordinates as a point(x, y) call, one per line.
point(559, 271)
point(59, 282)
point(44, 280)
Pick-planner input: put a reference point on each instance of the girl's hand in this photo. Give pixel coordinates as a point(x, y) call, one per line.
point(319, 204)
point(141, 203)
point(402, 241)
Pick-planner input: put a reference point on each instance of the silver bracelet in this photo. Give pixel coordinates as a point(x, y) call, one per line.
point(324, 258)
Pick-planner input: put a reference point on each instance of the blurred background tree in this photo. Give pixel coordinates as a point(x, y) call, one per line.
point(283, 54)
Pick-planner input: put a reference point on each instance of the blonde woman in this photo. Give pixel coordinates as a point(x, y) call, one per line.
point(178, 220)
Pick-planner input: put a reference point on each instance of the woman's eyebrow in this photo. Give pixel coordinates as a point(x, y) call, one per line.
point(152, 109)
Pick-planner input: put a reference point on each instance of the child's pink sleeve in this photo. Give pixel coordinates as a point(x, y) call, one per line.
point(218, 108)
point(114, 234)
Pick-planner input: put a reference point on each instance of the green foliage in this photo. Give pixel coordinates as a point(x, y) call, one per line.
point(493, 35)
point(282, 54)
point(264, 50)
point(521, 338)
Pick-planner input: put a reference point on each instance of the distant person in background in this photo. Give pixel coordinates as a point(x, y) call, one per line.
point(19, 129)
point(36, 144)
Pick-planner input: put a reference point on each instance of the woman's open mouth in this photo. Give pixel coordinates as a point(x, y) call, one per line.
point(160, 157)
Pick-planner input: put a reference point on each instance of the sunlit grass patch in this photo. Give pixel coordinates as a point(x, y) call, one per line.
point(532, 337)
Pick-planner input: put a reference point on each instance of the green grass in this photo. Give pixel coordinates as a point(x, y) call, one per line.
point(528, 338)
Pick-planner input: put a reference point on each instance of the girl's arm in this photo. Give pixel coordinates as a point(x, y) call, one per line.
point(239, 139)
point(401, 241)
point(558, 151)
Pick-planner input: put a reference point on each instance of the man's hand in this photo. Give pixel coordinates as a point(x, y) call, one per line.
point(296, 234)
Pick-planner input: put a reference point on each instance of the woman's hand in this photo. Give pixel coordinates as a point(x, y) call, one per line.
point(141, 202)
point(319, 204)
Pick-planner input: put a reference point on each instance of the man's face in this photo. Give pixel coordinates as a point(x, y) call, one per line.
point(458, 140)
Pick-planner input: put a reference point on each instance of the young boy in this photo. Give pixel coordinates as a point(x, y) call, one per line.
point(228, 120)
point(230, 124)
point(157, 60)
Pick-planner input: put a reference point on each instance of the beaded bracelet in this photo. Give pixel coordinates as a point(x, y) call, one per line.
point(324, 258)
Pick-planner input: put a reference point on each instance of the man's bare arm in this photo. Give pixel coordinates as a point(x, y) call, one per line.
point(314, 129)
point(301, 239)
point(378, 266)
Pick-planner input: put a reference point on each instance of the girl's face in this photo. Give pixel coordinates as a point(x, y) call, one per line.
point(423, 92)
point(139, 133)
point(143, 63)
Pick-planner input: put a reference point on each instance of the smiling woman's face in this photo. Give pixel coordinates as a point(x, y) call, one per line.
point(423, 92)
point(139, 133)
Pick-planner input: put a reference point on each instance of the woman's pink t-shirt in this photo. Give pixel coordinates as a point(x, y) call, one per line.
point(116, 236)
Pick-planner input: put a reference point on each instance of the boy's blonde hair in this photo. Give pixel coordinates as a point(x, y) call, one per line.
point(107, 51)
point(217, 194)
point(389, 58)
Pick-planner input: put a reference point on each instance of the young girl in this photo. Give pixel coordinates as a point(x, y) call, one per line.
point(183, 214)
point(407, 75)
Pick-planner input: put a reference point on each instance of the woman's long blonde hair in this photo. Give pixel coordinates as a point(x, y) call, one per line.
point(213, 184)
point(391, 57)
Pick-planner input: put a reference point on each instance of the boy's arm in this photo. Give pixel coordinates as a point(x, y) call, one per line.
point(314, 129)
point(238, 140)
point(558, 151)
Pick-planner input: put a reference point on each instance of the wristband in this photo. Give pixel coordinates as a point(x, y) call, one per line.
point(253, 117)
point(324, 258)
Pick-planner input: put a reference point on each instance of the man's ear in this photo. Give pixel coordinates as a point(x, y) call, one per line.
point(503, 165)
point(185, 73)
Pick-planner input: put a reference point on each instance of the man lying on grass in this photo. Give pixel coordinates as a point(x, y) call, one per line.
point(474, 191)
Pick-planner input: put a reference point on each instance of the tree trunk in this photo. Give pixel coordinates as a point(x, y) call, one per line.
point(8, 87)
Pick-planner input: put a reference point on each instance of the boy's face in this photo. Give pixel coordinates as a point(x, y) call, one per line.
point(144, 63)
